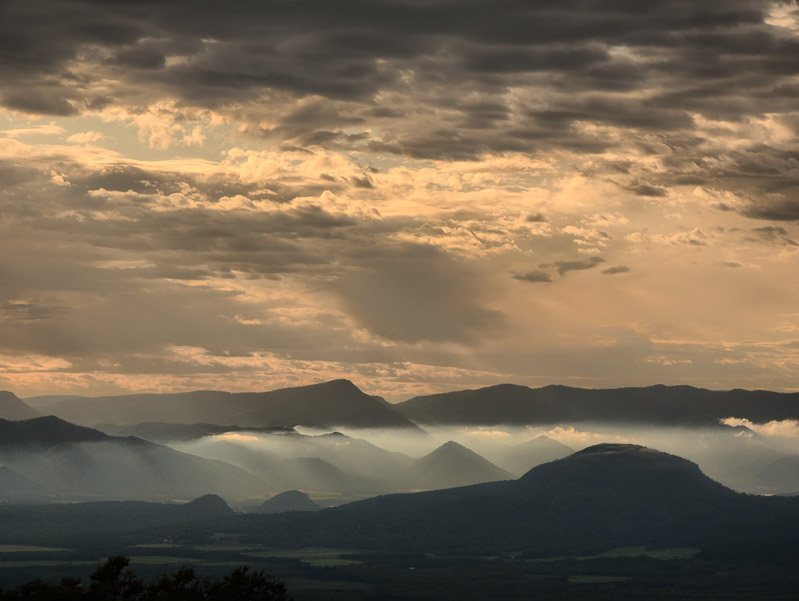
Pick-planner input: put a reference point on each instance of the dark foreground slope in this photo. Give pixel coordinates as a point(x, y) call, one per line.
point(334, 403)
point(665, 405)
point(74, 523)
point(603, 497)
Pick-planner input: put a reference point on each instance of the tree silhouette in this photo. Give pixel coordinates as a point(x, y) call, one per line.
point(115, 581)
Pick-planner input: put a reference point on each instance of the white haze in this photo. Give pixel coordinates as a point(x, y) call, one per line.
point(739, 454)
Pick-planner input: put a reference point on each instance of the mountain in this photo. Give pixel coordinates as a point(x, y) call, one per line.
point(286, 459)
point(665, 405)
point(12, 407)
point(290, 500)
point(79, 462)
point(451, 465)
point(45, 400)
point(354, 456)
point(44, 433)
point(522, 457)
point(206, 506)
point(603, 497)
point(335, 403)
point(734, 456)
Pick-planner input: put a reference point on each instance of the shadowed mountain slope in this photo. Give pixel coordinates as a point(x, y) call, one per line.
point(666, 405)
point(84, 463)
point(335, 403)
point(451, 465)
point(45, 432)
point(12, 407)
point(288, 459)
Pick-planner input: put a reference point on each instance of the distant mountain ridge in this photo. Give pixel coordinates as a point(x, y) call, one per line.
point(342, 403)
point(334, 403)
point(78, 462)
point(665, 405)
point(13, 407)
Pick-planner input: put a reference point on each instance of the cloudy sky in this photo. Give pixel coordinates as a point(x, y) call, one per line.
point(419, 195)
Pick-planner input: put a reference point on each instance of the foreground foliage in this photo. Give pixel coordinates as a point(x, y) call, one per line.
point(115, 581)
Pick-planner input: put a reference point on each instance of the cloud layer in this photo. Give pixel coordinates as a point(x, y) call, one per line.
point(418, 195)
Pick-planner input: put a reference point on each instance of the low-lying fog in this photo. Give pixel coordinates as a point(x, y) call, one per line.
point(761, 459)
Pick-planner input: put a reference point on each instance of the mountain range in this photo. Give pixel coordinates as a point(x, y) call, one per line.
point(606, 496)
point(663, 405)
point(67, 460)
point(341, 403)
point(334, 403)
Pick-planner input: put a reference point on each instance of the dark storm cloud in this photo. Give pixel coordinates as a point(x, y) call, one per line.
point(564, 267)
point(775, 235)
point(783, 210)
point(351, 49)
point(645, 190)
point(536, 218)
point(431, 80)
point(533, 276)
point(616, 269)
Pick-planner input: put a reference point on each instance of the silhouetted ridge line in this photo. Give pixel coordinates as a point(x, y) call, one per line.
point(290, 500)
point(665, 405)
point(13, 407)
point(329, 404)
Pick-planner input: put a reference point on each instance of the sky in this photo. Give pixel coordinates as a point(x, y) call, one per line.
point(418, 195)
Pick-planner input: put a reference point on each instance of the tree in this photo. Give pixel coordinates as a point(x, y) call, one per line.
point(243, 585)
point(115, 581)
